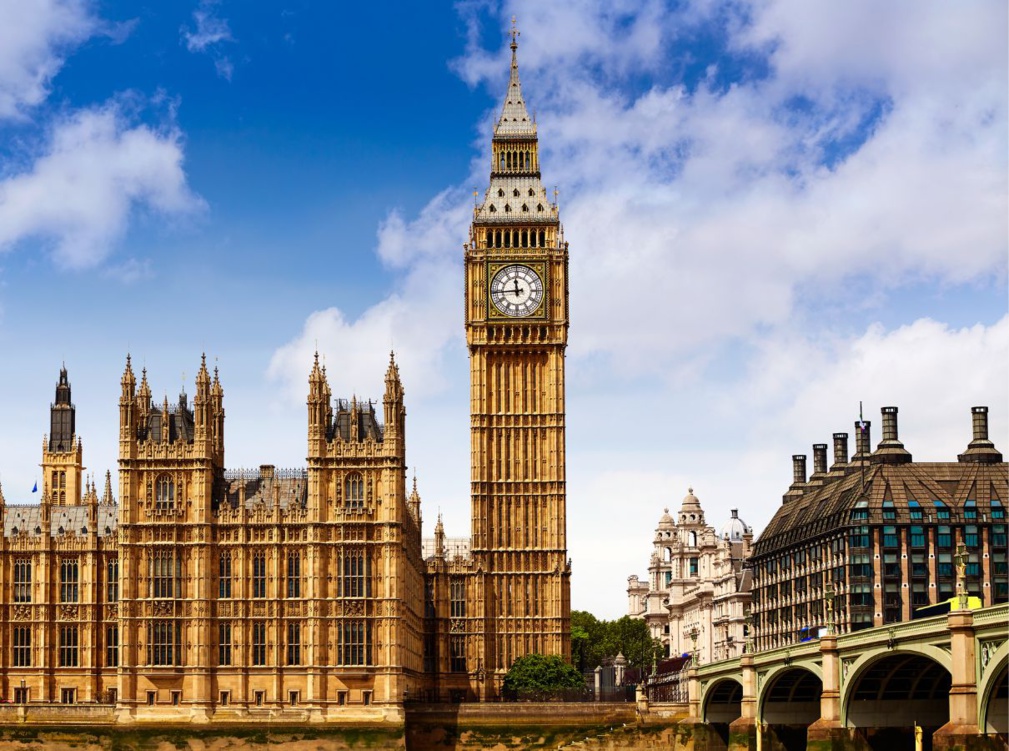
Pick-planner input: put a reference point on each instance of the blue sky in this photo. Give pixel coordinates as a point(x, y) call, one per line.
point(774, 210)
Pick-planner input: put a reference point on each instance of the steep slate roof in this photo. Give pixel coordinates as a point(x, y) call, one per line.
point(826, 504)
point(62, 520)
point(283, 489)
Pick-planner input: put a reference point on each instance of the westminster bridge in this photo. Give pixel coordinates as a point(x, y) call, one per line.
point(865, 690)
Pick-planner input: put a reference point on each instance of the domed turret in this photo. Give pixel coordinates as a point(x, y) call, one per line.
point(736, 528)
point(666, 521)
point(690, 510)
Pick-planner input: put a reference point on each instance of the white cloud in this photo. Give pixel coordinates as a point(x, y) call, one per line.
point(707, 221)
point(34, 40)
point(210, 30)
point(208, 34)
point(97, 169)
point(797, 391)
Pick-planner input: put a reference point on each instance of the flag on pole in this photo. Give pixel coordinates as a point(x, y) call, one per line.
point(861, 420)
point(35, 487)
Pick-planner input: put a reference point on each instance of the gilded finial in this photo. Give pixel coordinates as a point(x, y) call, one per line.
point(515, 34)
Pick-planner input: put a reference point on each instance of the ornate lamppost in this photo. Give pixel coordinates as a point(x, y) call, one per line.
point(961, 576)
point(694, 633)
point(828, 607)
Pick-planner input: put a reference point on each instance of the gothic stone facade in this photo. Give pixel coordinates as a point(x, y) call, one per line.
point(209, 593)
point(879, 534)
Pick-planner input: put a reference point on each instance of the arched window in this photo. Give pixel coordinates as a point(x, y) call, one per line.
point(165, 493)
point(354, 487)
point(693, 539)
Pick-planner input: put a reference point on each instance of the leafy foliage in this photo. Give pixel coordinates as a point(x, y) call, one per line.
point(593, 640)
point(540, 676)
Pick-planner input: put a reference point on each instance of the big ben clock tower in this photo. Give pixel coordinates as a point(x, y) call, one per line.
point(516, 266)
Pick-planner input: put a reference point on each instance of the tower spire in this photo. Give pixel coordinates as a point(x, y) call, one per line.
point(514, 120)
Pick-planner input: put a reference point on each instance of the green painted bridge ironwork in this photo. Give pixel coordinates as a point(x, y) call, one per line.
point(946, 674)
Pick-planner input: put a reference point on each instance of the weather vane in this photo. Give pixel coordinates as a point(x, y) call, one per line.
point(515, 32)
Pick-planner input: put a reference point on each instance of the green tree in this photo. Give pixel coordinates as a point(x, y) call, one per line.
point(540, 676)
point(593, 640)
point(631, 637)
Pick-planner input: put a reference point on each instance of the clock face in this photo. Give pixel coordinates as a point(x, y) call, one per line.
point(516, 291)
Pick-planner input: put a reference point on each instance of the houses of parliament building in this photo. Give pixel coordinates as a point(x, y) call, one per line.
point(200, 593)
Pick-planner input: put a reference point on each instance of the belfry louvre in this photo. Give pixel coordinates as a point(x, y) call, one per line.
point(204, 593)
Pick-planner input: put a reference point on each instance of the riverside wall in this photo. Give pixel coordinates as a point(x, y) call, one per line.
point(442, 727)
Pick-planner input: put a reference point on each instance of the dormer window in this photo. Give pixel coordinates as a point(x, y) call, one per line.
point(525, 208)
point(493, 209)
point(531, 192)
point(539, 207)
point(515, 192)
point(508, 208)
point(500, 193)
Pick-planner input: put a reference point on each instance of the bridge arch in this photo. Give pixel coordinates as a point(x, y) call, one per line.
point(886, 693)
point(789, 702)
point(993, 693)
point(722, 702)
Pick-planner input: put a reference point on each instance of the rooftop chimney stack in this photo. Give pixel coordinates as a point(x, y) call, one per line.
point(863, 442)
point(798, 478)
point(819, 459)
point(840, 451)
point(981, 450)
point(890, 449)
point(798, 469)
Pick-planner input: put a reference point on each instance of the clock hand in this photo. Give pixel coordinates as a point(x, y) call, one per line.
point(517, 290)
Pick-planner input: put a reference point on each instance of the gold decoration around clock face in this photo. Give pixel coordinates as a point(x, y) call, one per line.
point(517, 291)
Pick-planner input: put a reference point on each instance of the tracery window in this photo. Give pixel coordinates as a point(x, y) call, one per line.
point(457, 596)
point(112, 580)
point(164, 498)
point(21, 643)
point(22, 580)
point(162, 637)
point(294, 574)
point(164, 568)
point(112, 646)
point(69, 580)
point(259, 574)
point(354, 487)
point(355, 643)
point(68, 646)
point(457, 654)
point(59, 488)
point(293, 643)
point(355, 582)
point(224, 643)
point(259, 642)
point(224, 575)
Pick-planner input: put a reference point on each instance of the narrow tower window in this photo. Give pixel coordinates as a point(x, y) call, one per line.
point(165, 498)
point(355, 491)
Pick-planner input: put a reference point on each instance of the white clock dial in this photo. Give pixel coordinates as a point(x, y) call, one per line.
point(516, 291)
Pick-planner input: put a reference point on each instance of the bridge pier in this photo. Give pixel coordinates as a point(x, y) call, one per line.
point(827, 732)
point(962, 726)
point(743, 731)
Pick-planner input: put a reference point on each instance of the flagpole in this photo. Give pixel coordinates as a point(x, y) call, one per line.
point(861, 429)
